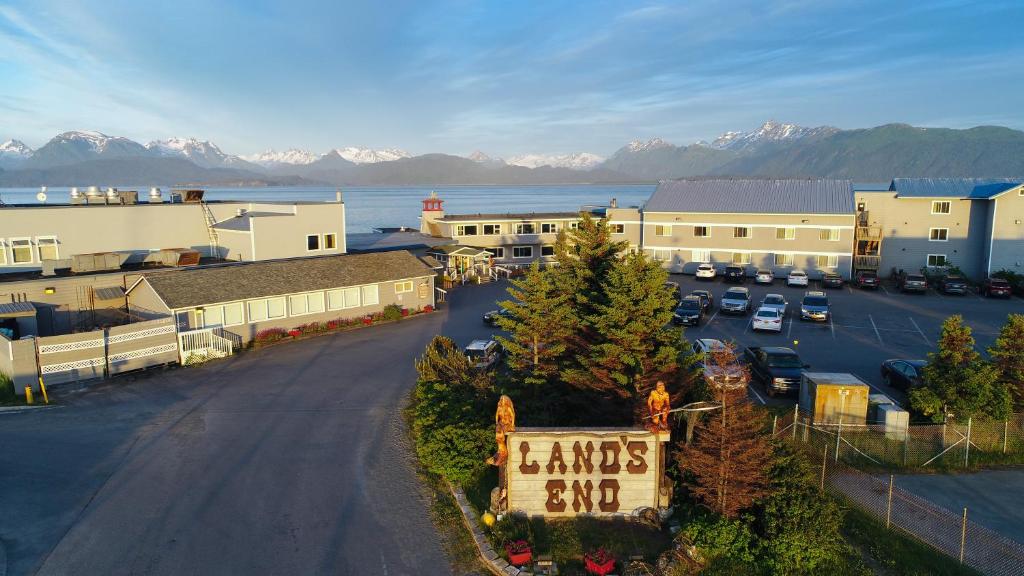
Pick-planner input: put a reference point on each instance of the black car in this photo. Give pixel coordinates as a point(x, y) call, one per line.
point(491, 318)
point(831, 280)
point(913, 283)
point(868, 279)
point(902, 374)
point(707, 299)
point(673, 288)
point(735, 274)
point(953, 284)
point(689, 313)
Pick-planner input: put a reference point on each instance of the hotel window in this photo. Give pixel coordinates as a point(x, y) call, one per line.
point(312, 242)
point(21, 250)
point(547, 250)
point(788, 233)
point(784, 259)
point(330, 241)
point(701, 232)
point(936, 260)
point(830, 234)
point(741, 257)
point(827, 261)
point(549, 228)
point(342, 298)
point(498, 253)
point(403, 287)
point(3, 253)
point(465, 230)
point(522, 251)
point(526, 228)
point(310, 303)
point(617, 228)
point(938, 234)
point(701, 255)
point(661, 255)
point(941, 207)
point(492, 229)
point(661, 230)
point(574, 225)
point(370, 294)
point(741, 232)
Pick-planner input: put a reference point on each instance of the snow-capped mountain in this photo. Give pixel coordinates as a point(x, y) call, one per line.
point(652, 144)
point(13, 153)
point(79, 146)
point(201, 152)
point(361, 155)
point(575, 161)
point(482, 158)
point(770, 131)
point(292, 156)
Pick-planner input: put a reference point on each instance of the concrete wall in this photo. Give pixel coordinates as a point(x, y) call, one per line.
point(1006, 233)
point(630, 219)
point(18, 362)
point(72, 305)
point(285, 236)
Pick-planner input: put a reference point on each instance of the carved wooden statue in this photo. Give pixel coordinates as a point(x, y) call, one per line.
point(658, 407)
point(504, 422)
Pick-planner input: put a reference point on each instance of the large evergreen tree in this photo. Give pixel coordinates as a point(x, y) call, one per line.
point(1008, 356)
point(957, 381)
point(584, 255)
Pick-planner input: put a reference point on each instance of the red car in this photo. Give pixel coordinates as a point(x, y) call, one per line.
point(996, 287)
point(867, 279)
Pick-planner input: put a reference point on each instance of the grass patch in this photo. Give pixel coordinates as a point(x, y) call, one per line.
point(891, 552)
point(567, 539)
point(7, 395)
point(455, 537)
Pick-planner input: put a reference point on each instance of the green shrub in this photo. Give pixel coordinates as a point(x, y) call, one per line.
point(457, 451)
point(510, 528)
point(722, 539)
point(392, 312)
point(6, 389)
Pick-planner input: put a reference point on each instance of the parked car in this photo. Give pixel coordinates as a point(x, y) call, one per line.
point(764, 277)
point(778, 369)
point(483, 354)
point(767, 319)
point(796, 278)
point(705, 346)
point(912, 283)
point(673, 288)
point(815, 306)
point(776, 301)
point(868, 279)
point(690, 312)
point(953, 284)
point(831, 280)
point(491, 317)
point(706, 271)
point(707, 299)
point(736, 301)
point(735, 274)
point(902, 374)
point(997, 287)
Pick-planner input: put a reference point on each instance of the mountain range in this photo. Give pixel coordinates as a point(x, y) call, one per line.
point(772, 150)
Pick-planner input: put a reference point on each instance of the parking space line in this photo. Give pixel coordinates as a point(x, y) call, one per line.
point(832, 326)
point(759, 399)
point(710, 320)
point(919, 331)
point(877, 389)
point(877, 333)
point(882, 286)
point(749, 324)
point(789, 331)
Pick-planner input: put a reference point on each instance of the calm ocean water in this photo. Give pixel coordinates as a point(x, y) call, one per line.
point(368, 208)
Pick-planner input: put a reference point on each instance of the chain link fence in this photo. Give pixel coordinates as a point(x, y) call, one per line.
point(841, 451)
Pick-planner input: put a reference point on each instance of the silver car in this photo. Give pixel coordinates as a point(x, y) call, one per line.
point(735, 301)
point(776, 301)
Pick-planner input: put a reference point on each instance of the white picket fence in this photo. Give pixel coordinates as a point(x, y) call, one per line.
point(195, 346)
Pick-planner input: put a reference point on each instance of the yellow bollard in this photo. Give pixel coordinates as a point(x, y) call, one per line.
point(42, 388)
point(28, 395)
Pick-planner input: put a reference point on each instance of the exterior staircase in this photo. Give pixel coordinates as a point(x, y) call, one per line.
point(210, 230)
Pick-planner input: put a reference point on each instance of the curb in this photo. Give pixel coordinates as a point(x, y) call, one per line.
point(10, 409)
point(491, 559)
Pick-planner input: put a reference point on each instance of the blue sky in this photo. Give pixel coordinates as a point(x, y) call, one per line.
point(502, 77)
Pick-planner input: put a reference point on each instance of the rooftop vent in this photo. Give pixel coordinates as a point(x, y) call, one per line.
point(155, 196)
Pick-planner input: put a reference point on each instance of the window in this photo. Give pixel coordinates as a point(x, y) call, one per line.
point(661, 255)
point(403, 287)
point(701, 232)
point(741, 232)
point(941, 207)
point(784, 259)
point(310, 303)
point(701, 255)
point(574, 225)
point(276, 308)
point(233, 314)
point(827, 261)
point(497, 253)
point(617, 228)
point(312, 242)
point(370, 294)
point(47, 247)
point(465, 230)
point(21, 250)
point(522, 251)
point(330, 241)
point(526, 228)
point(342, 298)
point(257, 310)
point(225, 315)
point(3, 253)
point(549, 228)
point(830, 234)
point(785, 233)
point(212, 316)
point(492, 229)
point(936, 260)
point(661, 230)
point(547, 250)
point(741, 257)
point(938, 234)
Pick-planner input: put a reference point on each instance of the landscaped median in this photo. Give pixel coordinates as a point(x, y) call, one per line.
point(391, 313)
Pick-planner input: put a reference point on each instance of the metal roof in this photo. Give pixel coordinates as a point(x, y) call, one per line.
point(16, 309)
point(753, 196)
point(110, 293)
point(524, 216)
point(966, 188)
point(871, 186)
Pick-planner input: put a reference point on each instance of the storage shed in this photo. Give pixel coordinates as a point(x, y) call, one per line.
point(833, 397)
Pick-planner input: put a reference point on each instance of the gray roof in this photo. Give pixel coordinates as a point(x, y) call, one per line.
point(530, 216)
point(973, 188)
point(16, 309)
point(377, 241)
point(200, 286)
point(109, 293)
point(243, 223)
point(753, 196)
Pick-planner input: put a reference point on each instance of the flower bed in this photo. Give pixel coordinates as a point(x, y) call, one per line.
point(390, 314)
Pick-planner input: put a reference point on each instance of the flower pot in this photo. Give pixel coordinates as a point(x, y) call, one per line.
point(597, 566)
point(405, 312)
point(520, 558)
point(428, 308)
point(295, 333)
point(367, 321)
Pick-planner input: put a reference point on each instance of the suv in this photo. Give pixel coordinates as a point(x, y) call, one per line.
point(912, 283)
point(814, 306)
point(868, 279)
point(690, 312)
point(953, 284)
point(706, 271)
point(796, 278)
point(483, 354)
point(491, 318)
point(831, 280)
point(707, 299)
point(735, 301)
point(735, 274)
point(996, 287)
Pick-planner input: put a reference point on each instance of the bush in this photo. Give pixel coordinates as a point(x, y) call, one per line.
point(722, 540)
point(270, 335)
point(310, 328)
point(510, 528)
point(392, 312)
point(6, 389)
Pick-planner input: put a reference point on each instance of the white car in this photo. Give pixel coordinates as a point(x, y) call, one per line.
point(705, 346)
point(764, 277)
point(796, 278)
point(767, 319)
point(775, 301)
point(706, 271)
point(483, 354)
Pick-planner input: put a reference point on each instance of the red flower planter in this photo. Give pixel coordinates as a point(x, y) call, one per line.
point(600, 562)
point(519, 553)
point(367, 320)
point(295, 333)
point(428, 308)
point(405, 312)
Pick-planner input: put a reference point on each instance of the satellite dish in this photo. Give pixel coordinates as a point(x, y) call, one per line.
point(41, 196)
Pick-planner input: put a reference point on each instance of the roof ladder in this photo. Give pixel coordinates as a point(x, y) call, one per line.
point(210, 230)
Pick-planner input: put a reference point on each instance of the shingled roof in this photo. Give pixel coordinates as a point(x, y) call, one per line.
point(758, 196)
point(242, 281)
point(972, 188)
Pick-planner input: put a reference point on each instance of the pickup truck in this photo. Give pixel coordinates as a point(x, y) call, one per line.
point(778, 369)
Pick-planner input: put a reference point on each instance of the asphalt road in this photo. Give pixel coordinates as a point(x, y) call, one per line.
point(993, 498)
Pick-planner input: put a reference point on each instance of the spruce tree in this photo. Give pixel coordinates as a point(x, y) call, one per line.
point(957, 381)
point(1008, 356)
point(584, 256)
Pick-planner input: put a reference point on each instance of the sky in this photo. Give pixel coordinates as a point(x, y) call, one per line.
point(502, 77)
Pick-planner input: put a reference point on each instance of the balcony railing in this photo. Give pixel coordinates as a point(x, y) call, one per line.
point(869, 233)
point(867, 262)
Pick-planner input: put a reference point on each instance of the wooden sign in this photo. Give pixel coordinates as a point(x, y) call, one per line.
point(600, 472)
